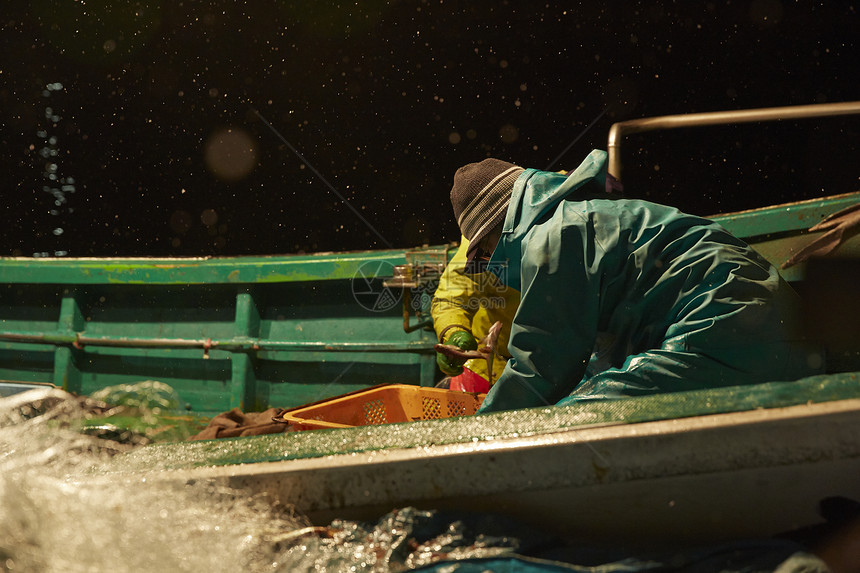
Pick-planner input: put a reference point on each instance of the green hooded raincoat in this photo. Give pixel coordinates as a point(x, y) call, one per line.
point(626, 297)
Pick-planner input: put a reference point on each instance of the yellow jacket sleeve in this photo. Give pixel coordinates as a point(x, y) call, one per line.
point(474, 302)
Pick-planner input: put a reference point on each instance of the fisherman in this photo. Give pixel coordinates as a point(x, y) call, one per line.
point(673, 301)
point(464, 307)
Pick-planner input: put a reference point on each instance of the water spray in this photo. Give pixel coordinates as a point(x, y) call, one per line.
point(321, 178)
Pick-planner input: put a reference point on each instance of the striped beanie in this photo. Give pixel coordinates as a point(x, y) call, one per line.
point(480, 197)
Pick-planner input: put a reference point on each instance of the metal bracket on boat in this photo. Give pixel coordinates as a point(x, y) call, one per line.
point(415, 277)
point(412, 276)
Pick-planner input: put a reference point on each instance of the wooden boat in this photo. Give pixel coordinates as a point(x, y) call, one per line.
point(224, 332)
point(251, 332)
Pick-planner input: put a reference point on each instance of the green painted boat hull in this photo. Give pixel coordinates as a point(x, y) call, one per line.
point(255, 332)
point(245, 332)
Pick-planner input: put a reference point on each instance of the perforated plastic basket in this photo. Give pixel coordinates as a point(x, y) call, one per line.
point(384, 404)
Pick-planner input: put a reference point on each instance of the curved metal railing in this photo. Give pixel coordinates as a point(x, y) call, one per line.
point(623, 128)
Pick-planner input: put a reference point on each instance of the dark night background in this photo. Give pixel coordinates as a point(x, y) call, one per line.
point(155, 148)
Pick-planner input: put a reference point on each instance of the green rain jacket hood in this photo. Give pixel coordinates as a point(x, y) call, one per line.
point(625, 297)
point(535, 193)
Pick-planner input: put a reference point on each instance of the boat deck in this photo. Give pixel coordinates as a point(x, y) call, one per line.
point(686, 467)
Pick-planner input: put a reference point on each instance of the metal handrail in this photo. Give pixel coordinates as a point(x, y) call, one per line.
point(623, 128)
point(235, 344)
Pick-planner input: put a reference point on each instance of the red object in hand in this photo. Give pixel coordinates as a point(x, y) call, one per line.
point(468, 381)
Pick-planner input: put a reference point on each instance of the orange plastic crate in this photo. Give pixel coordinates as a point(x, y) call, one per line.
point(384, 404)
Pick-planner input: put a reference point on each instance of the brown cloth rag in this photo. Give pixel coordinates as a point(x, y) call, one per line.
point(236, 423)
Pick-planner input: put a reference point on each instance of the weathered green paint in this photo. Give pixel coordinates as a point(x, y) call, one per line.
point(233, 270)
point(243, 332)
point(71, 319)
point(66, 369)
point(247, 315)
point(780, 231)
point(67, 375)
point(243, 386)
point(787, 218)
point(251, 332)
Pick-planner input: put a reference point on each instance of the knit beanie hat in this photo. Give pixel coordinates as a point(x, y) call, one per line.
point(480, 198)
